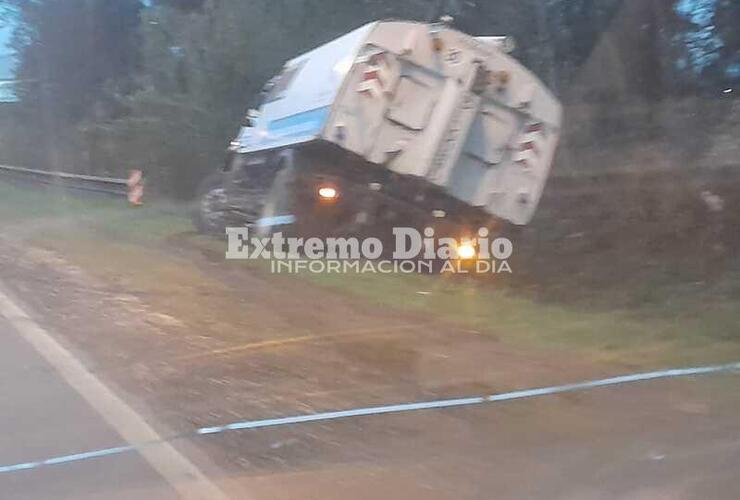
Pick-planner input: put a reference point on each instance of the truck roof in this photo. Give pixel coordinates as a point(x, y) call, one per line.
point(299, 103)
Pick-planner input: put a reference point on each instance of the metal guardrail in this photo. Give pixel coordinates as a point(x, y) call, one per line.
point(109, 185)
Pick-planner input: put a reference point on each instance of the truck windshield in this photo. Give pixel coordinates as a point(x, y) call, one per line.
point(282, 83)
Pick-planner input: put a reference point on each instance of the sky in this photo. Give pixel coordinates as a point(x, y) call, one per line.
point(703, 42)
point(6, 65)
point(4, 38)
point(5, 53)
point(6, 60)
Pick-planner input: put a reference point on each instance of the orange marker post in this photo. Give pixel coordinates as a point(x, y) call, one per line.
point(136, 188)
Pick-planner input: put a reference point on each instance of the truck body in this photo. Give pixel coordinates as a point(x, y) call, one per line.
point(437, 119)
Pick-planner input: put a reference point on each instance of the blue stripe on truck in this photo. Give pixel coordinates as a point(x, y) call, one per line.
point(308, 122)
point(293, 129)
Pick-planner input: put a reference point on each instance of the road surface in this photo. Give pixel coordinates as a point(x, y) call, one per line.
point(42, 417)
point(180, 369)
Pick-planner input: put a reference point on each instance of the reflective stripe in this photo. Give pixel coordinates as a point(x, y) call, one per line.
point(278, 220)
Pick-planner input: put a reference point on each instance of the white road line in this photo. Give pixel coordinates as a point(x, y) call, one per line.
point(178, 471)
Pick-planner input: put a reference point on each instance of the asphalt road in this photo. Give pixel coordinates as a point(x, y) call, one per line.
point(663, 440)
point(42, 417)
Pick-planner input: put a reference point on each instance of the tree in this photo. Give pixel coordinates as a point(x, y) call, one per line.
point(708, 42)
point(72, 49)
point(76, 57)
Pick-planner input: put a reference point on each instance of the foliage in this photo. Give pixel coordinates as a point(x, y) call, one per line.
point(70, 50)
point(162, 84)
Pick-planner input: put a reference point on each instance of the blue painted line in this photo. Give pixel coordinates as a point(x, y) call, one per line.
point(19, 467)
point(384, 410)
point(89, 455)
point(73, 458)
point(362, 412)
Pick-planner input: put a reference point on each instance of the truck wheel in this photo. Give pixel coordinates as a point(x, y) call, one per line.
point(209, 214)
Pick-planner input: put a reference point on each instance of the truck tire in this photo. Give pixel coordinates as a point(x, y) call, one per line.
point(209, 213)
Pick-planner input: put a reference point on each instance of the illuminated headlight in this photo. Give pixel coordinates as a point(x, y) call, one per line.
point(466, 251)
point(235, 145)
point(328, 193)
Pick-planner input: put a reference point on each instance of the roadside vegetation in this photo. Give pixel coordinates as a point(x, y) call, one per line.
point(636, 269)
point(161, 86)
point(667, 320)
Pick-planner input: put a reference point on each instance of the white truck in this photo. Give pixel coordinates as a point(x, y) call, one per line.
point(395, 122)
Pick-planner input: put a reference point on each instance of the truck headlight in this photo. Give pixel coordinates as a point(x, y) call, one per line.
point(328, 193)
point(466, 251)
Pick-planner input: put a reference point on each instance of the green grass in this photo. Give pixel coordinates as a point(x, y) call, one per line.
point(56, 213)
point(668, 325)
point(665, 334)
